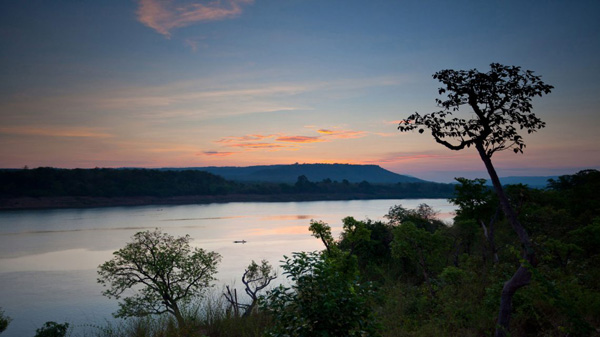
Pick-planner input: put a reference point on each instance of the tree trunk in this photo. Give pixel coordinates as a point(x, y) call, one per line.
point(178, 316)
point(492, 242)
point(489, 235)
point(522, 276)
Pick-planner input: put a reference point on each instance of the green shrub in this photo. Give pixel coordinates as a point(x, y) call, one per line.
point(323, 301)
point(4, 321)
point(52, 329)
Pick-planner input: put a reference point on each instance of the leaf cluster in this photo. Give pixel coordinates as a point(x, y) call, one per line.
point(500, 103)
point(162, 271)
point(4, 320)
point(322, 301)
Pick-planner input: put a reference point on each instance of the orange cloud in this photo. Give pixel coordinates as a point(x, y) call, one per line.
point(163, 16)
point(243, 138)
point(396, 122)
point(258, 145)
point(386, 134)
point(342, 134)
point(299, 139)
point(216, 153)
point(82, 132)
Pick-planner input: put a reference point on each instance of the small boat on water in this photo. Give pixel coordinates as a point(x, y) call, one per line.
point(239, 241)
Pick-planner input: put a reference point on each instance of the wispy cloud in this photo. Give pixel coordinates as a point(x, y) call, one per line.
point(396, 122)
point(270, 141)
point(342, 134)
point(386, 134)
point(48, 131)
point(300, 139)
point(217, 153)
point(172, 149)
point(165, 15)
point(194, 43)
point(258, 146)
point(243, 138)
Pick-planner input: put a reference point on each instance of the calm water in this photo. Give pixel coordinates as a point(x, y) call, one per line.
point(48, 258)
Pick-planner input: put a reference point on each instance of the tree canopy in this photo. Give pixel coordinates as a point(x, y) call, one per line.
point(500, 101)
point(161, 270)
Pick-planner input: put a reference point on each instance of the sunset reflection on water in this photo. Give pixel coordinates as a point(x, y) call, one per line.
point(48, 258)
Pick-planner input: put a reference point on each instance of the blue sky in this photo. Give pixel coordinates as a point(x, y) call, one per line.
point(197, 83)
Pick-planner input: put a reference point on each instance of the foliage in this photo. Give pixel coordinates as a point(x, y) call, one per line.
point(500, 104)
point(52, 182)
point(255, 279)
point(4, 320)
point(163, 271)
point(500, 99)
point(52, 329)
point(422, 248)
point(423, 217)
point(322, 301)
point(104, 182)
point(322, 231)
point(473, 198)
point(327, 292)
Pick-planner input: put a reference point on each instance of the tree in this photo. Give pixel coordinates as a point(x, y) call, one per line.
point(52, 329)
point(419, 245)
point(4, 320)
point(476, 201)
point(423, 217)
point(322, 300)
point(500, 104)
point(255, 279)
point(164, 272)
point(322, 231)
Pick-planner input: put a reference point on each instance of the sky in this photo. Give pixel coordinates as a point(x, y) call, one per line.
point(175, 83)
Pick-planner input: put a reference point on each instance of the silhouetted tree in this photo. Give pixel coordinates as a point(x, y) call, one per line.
point(164, 272)
point(500, 104)
point(256, 278)
point(4, 320)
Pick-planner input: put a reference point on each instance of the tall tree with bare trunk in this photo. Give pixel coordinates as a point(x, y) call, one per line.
point(499, 106)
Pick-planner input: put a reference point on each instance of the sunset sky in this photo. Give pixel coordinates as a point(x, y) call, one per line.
point(154, 83)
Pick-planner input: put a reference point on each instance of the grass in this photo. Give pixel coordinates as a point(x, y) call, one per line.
point(211, 318)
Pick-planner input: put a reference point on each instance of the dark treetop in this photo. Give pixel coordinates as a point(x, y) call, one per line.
point(500, 101)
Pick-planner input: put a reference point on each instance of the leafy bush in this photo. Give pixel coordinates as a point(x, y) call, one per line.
point(52, 329)
point(164, 271)
point(4, 321)
point(323, 301)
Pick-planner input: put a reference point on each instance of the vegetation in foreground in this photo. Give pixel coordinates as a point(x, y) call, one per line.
point(413, 275)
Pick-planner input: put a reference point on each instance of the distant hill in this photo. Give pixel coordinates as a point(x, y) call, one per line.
point(373, 174)
point(531, 181)
point(48, 187)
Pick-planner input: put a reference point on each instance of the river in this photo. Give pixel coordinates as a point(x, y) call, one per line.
point(49, 258)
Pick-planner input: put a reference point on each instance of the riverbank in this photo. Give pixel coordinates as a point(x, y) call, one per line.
point(24, 203)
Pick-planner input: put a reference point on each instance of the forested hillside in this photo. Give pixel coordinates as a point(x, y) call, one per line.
point(420, 277)
point(315, 172)
point(131, 186)
point(411, 274)
point(438, 280)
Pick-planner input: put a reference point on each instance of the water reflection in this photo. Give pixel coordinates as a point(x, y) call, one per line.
point(48, 258)
point(287, 217)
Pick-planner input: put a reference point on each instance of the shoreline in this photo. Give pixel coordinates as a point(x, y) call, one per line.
point(34, 203)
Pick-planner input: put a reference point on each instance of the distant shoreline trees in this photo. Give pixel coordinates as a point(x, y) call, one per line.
point(130, 183)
